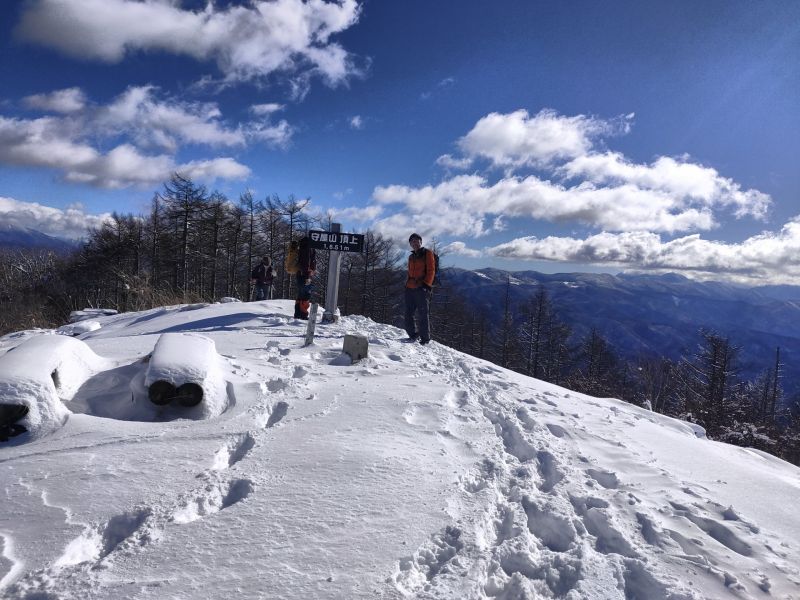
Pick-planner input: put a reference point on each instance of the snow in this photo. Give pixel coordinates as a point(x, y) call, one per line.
point(417, 472)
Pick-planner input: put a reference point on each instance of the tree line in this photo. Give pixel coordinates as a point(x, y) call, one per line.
point(197, 245)
point(704, 386)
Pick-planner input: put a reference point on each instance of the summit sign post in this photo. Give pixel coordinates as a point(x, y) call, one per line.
point(337, 243)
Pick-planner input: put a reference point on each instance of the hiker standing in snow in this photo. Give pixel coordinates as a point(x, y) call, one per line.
point(421, 272)
point(263, 276)
point(306, 267)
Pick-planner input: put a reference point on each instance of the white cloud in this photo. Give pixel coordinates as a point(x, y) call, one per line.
point(246, 42)
point(358, 214)
point(342, 195)
point(65, 101)
point(450, 162)
point(72, 222)
point(678, 178)
point(461, 249)
point(277, 134)
point(73, 143)
point(443, 84)
point(765, 258)
point(217, 168)
point(52, 143)
point(516, 139)
point(357, 122)
point(44, 142)
point(460, 205)
point(631, 204)
point(266, 109)
point(165, 123)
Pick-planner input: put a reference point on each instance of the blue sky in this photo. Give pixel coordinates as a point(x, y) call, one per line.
point(557, 136)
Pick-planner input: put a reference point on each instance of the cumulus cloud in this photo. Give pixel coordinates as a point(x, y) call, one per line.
point(247, 41)
point(682, 194)
point(681, 179)
point(462, 205)
point(72, 222)
point(65, 101)
point(357, 122)
point(556, 169)
point(217, 168)
point(461, 249)
point(517, 139)
point(768, 257)
point(84, 143)
point(165, 123)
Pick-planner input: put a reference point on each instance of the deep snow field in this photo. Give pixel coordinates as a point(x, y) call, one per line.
point(417, 472)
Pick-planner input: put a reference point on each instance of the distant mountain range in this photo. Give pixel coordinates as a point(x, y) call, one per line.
point(654, 314)
point(19, 238)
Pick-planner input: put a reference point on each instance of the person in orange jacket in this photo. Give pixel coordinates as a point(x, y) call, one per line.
point(421, 271)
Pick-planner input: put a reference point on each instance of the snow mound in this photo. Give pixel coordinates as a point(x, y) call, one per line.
point(189, 358)
point(78, 328)
point(43, 372)
point(90, 313)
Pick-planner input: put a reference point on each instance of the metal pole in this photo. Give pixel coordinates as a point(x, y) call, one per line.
point(332, 293)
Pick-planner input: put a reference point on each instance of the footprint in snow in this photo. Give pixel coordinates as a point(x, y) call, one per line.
point(277, 413)
point(214, 497)
point(232, 452)
point(555, 532)
point(277, 385)
point(714, 529)
point(557, 430)
point(608, 480)
point(98, 542)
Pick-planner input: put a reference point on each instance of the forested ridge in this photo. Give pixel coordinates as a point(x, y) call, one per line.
point(197, 245)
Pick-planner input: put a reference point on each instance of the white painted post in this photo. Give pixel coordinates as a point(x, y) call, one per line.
point(312, 323)
point(332, 293)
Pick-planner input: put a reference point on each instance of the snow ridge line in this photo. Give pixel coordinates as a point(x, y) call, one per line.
point(16, 565)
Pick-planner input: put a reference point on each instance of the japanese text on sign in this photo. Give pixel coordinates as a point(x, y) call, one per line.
point(342, 242)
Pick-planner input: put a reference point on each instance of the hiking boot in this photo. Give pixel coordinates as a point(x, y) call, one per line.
point(423, 342)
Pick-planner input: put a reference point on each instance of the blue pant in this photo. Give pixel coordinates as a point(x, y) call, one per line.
point(418, 301)
point(264, 291)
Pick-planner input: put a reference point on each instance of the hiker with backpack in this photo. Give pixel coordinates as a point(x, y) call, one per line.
point(301, 261)
point(419, 285)
point(263, 277)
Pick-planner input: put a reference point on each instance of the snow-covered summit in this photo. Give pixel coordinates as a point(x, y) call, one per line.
point(418, 472)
